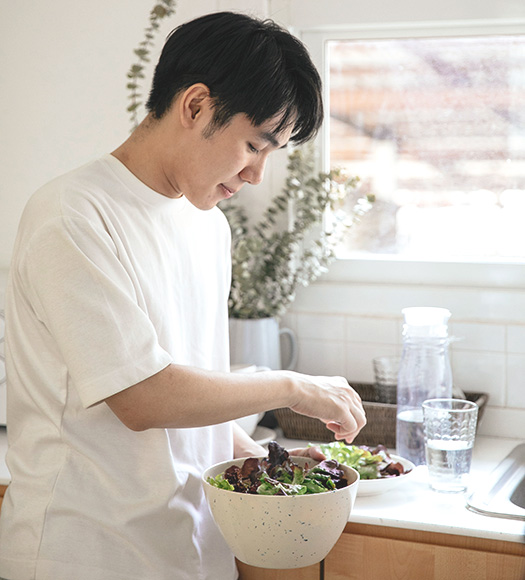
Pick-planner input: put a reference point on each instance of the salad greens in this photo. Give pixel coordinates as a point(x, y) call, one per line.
point(370, 463)
point(277, 474)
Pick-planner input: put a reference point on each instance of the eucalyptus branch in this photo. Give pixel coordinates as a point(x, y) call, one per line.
point(268, 263)
point(162, 9)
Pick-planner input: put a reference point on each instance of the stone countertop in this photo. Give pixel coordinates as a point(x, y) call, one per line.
point(414, 505)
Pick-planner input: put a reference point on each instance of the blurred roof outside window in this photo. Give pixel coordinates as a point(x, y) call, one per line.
point(435, 128)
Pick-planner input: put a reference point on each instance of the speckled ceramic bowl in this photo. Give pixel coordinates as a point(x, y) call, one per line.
point(280, 531)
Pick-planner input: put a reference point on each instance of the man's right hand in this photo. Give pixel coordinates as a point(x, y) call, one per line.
point(332, 400)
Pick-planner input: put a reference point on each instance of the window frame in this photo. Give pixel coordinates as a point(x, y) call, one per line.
point(499, 273)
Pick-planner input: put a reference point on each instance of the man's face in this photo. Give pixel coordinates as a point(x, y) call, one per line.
point(218, 165)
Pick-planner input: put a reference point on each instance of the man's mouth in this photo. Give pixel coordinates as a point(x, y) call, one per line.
point(227, 191)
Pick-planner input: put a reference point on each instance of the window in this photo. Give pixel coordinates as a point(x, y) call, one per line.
point(435, 127)
point(397, 258)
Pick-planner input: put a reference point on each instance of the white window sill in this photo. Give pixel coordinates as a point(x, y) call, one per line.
point(382, 288)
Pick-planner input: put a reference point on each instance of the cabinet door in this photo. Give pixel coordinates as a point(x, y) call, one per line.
point(251, 573)
point(2, 491)
point(357, 557)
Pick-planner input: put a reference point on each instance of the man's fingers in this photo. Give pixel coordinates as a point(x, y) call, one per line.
point(314, 452)
point(349, 431)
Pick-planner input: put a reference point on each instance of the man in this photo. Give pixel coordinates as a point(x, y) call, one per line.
point(117, 345)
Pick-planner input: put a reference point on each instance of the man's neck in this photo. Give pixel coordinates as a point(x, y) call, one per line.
point(138, 154)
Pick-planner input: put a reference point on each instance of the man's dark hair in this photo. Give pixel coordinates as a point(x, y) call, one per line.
point(250, 66)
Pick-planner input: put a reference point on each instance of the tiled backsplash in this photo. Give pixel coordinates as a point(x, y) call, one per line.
point(487, 358)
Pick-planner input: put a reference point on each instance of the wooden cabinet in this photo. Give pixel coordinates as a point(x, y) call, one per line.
point(368, 552)
point(2, 491)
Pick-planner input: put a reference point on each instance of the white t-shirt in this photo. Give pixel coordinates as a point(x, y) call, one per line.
point(110, 283)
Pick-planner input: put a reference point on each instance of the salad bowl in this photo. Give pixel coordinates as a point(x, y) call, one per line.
point(386, 484)
point(280, 531)
point(379, 470)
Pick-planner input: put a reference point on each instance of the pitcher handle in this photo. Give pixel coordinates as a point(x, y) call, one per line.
point(290, 366)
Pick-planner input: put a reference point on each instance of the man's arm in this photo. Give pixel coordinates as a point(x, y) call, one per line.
point(244, 445)
point(182, 396)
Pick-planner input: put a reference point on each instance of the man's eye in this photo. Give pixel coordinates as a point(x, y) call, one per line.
point(252, 148)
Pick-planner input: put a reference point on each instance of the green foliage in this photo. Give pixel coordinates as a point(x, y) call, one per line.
point(268, 263)
point(162, 9)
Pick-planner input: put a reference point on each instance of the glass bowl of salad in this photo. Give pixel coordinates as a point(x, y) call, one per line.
point(279, 511)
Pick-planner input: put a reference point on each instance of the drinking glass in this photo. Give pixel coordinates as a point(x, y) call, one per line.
point(450, 431)
point(386, 369)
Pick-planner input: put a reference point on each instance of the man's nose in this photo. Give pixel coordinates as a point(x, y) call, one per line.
point(254, 172)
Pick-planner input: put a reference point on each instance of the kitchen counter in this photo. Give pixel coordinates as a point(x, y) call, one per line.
point(415, 506)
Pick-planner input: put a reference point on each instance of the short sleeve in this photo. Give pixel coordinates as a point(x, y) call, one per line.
point(80, 290)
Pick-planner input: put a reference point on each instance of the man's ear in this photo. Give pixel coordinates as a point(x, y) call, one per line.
point(194, 104)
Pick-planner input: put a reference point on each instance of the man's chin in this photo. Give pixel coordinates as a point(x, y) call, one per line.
point(204, 204)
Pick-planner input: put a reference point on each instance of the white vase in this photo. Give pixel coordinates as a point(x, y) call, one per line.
point(255, 344)
point(258, 342)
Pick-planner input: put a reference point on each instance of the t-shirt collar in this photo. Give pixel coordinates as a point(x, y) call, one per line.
point(138, 187)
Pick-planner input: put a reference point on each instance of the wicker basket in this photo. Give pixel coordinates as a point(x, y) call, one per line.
point(380, 427)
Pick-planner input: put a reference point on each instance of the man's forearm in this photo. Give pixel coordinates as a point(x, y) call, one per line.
point(244, 445)
point(181, 396)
